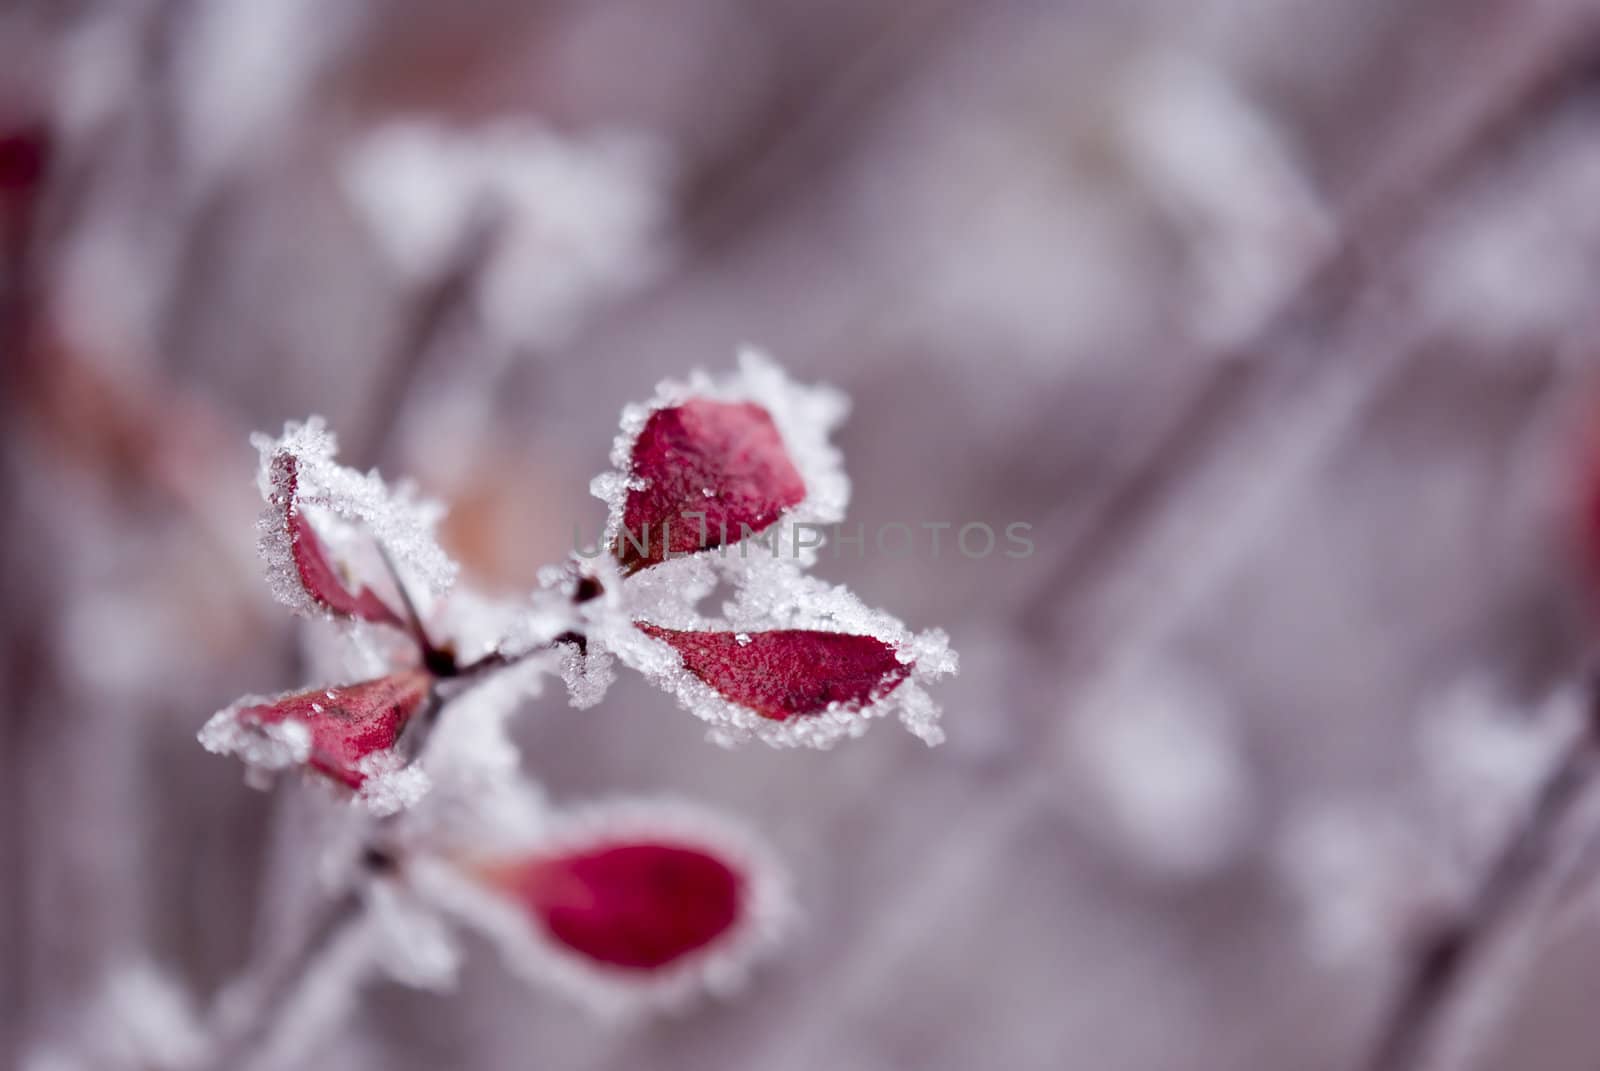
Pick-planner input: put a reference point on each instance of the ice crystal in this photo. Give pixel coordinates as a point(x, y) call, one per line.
point(389, 784)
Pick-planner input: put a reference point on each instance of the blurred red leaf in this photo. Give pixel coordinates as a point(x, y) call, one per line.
point(788, 673)
point(639, 906)
point(724, 460)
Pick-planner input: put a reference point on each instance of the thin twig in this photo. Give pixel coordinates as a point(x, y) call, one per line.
point(246, 1017)
point(1446, 964)
point(430, 316)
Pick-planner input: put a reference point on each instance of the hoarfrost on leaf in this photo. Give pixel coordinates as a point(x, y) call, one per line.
point(588, 672)
point(326, 529)
point(389, 784)
point(261, 745)
point(629, 906)
point(336, 731)
point(815, 665)
point(709, 464)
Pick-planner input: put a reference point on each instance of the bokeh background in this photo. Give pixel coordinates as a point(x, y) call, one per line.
point(1275, 320)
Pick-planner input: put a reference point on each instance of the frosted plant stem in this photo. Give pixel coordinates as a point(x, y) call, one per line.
point(1445, 967)
point(251, 1011)
point(428, 320)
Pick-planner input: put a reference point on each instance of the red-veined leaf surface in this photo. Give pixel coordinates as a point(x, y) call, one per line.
point(723, 460)
point(788, 673)
point(349, 722)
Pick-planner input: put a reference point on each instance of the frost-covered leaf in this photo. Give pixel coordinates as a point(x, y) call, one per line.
point(325, 529)
point(713, 463)
point(794, 662)
point(705, 472)
point(344, 732)
point(789, 673)
point(629, 904)
point(319, 577)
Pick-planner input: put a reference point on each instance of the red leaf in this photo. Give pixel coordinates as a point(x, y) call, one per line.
point(788, 673)
point(725, 460)
point(638, 906)
point(349, 723)
point(318, 573)
point(24, 154)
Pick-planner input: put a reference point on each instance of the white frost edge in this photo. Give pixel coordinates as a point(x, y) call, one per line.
point(804, 416)
point(720, 969)
point(391, 784)
point(396, 517)
point(783, 598)
point(261, 746)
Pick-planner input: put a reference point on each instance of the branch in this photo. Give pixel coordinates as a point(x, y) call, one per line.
point(1447, 964)
point(248, 1015)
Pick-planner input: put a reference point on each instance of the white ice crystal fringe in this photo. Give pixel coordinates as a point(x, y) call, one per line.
point(588, 675)
point(805, 418)
point(719, 969)
point(401, 523)
point(578, 221)
point(780, 597)
point(391, 784)
point(266, 747)
point(671, 589)
point(479, 793)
